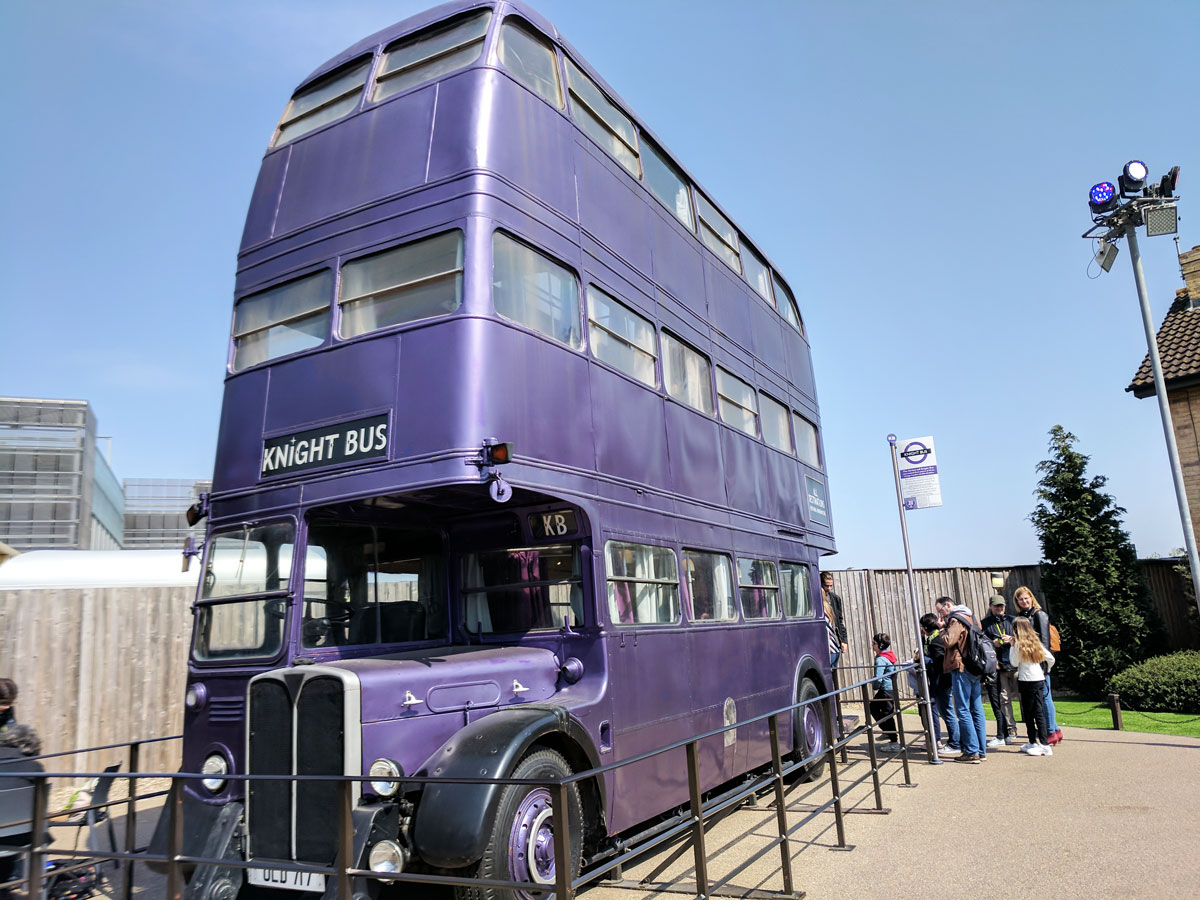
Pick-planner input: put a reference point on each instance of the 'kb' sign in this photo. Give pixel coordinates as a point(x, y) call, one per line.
point(919, 485)
point(354, 441)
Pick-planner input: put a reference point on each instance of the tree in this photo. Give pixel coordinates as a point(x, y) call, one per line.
point(1094, 586)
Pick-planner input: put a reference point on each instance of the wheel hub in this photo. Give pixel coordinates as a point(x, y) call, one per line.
point(531, 842)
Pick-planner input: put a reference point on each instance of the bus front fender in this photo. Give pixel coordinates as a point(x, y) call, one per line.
point(452, 821)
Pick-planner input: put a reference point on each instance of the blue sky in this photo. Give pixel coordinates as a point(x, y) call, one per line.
point(918, 172)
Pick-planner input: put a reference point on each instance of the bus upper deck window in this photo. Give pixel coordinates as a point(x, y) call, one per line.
point(716, 232)
point(330, 98)
point(775, 428)
point(415, 281)
point(686, 374)
point(737, 401)
point(757, 273)
point(530, 60)
point(532, 289)
point(282, 320)
point(786, 304)
point(806, 441)
point(667, 184)
point(620, 337)
point(603, 122)
point(432, 53)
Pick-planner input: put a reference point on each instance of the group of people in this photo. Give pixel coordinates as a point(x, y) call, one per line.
point(1023, 661)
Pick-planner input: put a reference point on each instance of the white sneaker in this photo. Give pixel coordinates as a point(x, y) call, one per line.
point(1045, 750)
point(996, 742)
point(950, 753)
point(1029, 748)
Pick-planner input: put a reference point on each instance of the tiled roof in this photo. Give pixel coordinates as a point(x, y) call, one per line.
point(1178, 348)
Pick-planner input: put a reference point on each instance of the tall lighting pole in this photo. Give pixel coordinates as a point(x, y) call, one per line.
point(1155, 207)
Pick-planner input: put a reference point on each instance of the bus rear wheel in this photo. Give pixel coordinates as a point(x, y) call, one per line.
point(808, 733)
point(521, 843)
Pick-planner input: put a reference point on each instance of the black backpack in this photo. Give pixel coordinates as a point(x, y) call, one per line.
point(978, 653)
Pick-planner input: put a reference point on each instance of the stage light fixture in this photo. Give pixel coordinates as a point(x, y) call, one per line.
point(1133, 178)
point(1102, 197)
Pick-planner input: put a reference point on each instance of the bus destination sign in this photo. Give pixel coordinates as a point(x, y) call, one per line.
point(552, 524)
point(355, 441)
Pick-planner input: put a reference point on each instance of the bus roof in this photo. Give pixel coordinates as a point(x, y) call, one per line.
point(96, 569)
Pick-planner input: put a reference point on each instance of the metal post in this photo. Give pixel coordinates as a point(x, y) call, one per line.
point(698, 853)
point(871, 747)
point(785, 855)
point(345, 840)
point(174, 839)
point(833, 781)
point(930, 744)
point(1164, 408)
point(564, 868)
point(131, 820)
point(37, 835)
point(1114, 703)
point(898, 718)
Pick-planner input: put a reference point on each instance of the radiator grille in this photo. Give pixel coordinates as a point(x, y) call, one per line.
point(319, 752)
point(269, 803)
point(226, 709)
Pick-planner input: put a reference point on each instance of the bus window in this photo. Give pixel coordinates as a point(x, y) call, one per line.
point(738, 406)
point(603, 122)
point(364, 584)
point(522, 589)
point(250, 562)
point(530, 60)
point(717, 234)
point(666, 184)
point(806, 441)
point(432, 53)
point(775, 425)
point(620, 337)
point(332, 97)
point(643, 584)
point(416, 281)
point(685, 374)
point(797, 592)
point(282, 320)
point(530, 288)
point(710, 586)
point(757, 273)
point(758, 589)
point(786, 304)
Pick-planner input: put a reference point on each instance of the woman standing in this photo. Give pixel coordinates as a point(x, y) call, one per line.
point(1033, 661)
point(1030, 609)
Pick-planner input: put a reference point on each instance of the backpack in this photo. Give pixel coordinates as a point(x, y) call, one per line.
point(1055, 643)
point(978, 654)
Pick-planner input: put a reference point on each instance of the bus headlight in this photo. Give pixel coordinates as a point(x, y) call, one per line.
point(214, 765)
point(196, 696)
point(385, 771)
point(388, 858)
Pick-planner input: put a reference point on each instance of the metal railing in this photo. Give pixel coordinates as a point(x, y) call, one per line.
point(690, 821)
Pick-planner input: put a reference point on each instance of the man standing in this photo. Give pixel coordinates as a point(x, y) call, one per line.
point(1002, 686)
point(836, 627)
point(965, 687)
point(942, 606)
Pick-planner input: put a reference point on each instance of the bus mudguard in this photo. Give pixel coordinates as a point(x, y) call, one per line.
point(447, 829)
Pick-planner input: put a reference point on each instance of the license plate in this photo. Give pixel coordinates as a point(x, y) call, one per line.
point(292, 881)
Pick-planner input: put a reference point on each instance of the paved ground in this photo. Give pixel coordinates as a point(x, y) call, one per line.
point(1111, 814)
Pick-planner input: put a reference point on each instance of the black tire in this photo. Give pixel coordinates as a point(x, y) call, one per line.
point(808, 730)
point(523, 828)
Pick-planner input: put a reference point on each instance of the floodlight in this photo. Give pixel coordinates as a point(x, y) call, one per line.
point(1102, 197)
point(1161, 220)
point(1105, 254)
point(1166, 187)
point(1133, 179)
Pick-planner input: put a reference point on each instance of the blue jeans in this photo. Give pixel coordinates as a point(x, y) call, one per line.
point(944, 704)
point(968, 705)
point(1051, 718)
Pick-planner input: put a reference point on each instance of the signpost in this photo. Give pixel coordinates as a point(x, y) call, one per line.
point(917, 487)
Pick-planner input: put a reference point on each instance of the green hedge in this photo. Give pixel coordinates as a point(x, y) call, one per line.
point(1161, 684)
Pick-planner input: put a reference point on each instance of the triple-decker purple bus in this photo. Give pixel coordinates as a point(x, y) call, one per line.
point(519, 473)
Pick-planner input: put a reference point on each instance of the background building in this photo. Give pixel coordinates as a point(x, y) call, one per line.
point(56, 491)
point(1179, 351)
point(154, 512)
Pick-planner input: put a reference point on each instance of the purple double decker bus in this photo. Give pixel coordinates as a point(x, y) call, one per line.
point(518, 474)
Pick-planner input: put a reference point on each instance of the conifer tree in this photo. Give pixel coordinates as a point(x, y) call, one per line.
point(1095, 589)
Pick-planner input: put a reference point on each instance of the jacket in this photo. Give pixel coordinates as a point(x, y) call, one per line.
point(885, 665)
point(840, 625)
point(955, 638)
point(994, 627)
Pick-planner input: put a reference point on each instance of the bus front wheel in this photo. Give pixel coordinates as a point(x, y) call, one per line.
point(808, 734)
point(521, 843)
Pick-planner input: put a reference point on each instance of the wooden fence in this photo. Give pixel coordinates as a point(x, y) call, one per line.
point(105, 665)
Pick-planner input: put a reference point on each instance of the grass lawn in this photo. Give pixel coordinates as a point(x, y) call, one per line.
point(1086, 714)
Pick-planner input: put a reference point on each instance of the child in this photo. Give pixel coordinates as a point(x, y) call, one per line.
point(882, 706)
point(1032, 661)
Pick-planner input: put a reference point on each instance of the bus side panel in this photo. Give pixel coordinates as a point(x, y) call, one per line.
point(611, 209)
point(765, 326)
point(630, 439)
point(678, 263)
point(695, 451)
point(346, 381)
point(239, 441)
point(787, 490)
point(800, 370)
point(727, 302)
point(260, 219)
point(745, 472)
